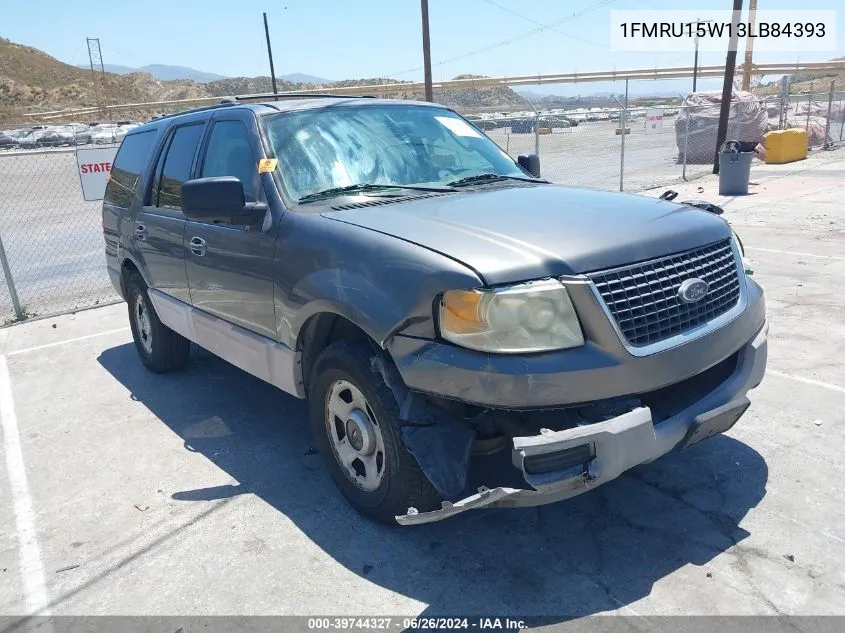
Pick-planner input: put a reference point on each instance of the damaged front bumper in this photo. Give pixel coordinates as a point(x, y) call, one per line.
point(562, 464)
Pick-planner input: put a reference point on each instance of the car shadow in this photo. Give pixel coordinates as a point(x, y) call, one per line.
point(594, 553)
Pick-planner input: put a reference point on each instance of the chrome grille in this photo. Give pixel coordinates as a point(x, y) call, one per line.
point(643, 298)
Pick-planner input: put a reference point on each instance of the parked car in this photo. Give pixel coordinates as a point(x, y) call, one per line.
point(108, 133)
point(556, 121)
point(7, 141)
point(521, 125)
point(27, 138)
point(432, 299)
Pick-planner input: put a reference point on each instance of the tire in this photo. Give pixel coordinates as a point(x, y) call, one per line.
point(402, 483)
point(160, 348)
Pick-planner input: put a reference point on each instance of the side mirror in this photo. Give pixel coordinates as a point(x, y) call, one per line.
point(530, 163)
point(218, 198)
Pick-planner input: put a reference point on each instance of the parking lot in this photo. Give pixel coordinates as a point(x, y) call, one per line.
point(125, 492)
point(590, 154)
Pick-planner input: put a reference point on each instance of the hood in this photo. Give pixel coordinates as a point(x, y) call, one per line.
point(520, 233)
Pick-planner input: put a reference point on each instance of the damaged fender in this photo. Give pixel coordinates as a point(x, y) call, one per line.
point(439, 442)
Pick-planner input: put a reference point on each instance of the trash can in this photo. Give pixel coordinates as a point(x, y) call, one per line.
point(734, 169)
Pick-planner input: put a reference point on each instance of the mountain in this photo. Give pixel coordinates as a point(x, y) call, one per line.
point(166, 72)
point(531, 95)
point(161, 71)
point(302, 78)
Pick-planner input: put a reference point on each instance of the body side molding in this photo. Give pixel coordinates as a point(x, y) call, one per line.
point(255, 354)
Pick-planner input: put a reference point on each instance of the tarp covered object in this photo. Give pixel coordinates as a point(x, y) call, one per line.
point(748, 122)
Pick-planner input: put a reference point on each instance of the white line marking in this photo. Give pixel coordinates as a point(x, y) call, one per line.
point(809, 381)
point(32, 569)
point(772, 250)
point(71, 340)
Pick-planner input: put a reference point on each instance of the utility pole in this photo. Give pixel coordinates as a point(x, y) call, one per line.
point(429, 93)
point(95, 60)
point(749, 45)
point(727, 87)
point(270, 55)
point(695, 61)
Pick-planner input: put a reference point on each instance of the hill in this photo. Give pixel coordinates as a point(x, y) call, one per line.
point(805, 83)
point(31, 80)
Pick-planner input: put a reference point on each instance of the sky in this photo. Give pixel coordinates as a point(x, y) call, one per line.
point(348, 39)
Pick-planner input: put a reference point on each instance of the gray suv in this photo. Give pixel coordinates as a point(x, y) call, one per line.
point(466, 334)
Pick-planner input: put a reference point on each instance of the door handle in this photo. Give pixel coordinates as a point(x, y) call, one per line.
point(140, 232)
point(198, 246)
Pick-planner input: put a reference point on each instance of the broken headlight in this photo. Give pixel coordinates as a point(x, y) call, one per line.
point(529, 317)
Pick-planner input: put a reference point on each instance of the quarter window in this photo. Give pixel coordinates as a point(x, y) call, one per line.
point(127, 168)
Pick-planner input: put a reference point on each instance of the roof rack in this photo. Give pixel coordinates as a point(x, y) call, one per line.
point(290, 95)
point(222, 104)
point(225, 102)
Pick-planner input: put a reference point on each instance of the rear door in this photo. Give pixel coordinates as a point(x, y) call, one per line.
point(119, 202)
point(230, 268)
point(160, 225)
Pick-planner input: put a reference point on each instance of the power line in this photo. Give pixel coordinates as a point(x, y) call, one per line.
point(545, 26)
point(511, 40)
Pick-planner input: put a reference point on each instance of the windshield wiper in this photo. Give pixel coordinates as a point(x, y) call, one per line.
point(483, 178)
point(366, 186)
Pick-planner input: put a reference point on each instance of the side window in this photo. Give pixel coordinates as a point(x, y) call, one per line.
point(230, 153)
point(127, 168)
point(153, 191)
point(177, 165)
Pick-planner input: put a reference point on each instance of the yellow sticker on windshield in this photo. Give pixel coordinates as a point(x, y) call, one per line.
point(266, 165)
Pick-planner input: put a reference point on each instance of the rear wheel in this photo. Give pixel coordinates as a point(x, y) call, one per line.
point(355, 420)
point(160, 348)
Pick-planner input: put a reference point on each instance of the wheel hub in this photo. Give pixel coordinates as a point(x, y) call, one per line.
point(143, 324)
point(355, 435)
point(360, 432)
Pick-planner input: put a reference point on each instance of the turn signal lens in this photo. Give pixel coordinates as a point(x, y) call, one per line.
point(460, 312)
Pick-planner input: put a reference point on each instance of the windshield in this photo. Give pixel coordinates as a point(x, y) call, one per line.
point(326, 148)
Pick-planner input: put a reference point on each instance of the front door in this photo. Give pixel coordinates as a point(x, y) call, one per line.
point(230, 268)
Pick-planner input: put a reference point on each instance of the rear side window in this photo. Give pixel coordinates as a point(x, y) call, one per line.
point(230, 153)
point(177, 165)
point(127, 168)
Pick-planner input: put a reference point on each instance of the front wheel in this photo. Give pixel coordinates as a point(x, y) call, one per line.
point(355, 420)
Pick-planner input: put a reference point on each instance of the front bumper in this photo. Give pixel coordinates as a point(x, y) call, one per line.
point(599, 370)
point(615, 445)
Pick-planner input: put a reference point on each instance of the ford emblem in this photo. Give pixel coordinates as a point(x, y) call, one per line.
point(693, 290)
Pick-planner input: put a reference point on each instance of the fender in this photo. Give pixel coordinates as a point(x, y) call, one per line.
point(351, 295)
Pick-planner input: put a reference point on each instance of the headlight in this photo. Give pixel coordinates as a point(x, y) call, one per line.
point(746, 263)
point(532, 317)
point(738, 243)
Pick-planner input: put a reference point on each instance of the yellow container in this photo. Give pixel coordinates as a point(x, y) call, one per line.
point(785, 146)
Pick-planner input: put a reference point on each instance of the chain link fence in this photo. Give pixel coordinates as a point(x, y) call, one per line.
point(52, 240)
point(51, 244)
point(640, 147)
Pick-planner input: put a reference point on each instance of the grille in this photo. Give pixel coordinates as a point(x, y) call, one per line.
point(643, 298)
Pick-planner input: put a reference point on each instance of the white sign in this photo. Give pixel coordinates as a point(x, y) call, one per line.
point(94, 167)
point(653, 121)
